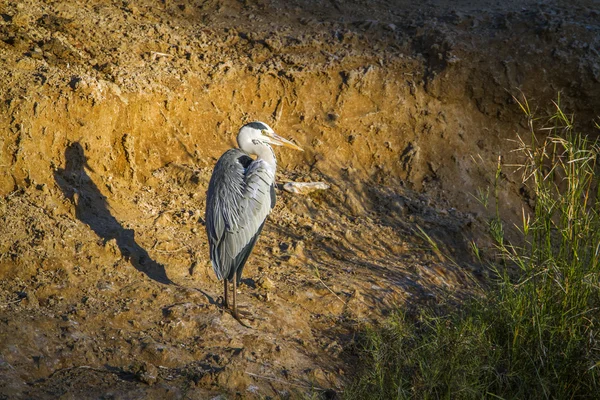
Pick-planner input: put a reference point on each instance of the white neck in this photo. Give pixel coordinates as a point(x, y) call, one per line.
point(262, 150)
point(265, 153)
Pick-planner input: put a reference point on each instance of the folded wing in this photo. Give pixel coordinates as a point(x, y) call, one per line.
point(240, 197)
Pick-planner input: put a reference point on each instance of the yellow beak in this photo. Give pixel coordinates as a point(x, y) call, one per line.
point(279, 141)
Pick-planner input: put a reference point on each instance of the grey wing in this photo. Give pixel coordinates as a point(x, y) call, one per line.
point(238, 202)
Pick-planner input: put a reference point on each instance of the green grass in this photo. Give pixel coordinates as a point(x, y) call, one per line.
point(535, 333)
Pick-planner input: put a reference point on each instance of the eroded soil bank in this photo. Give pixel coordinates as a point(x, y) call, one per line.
point(113, 114)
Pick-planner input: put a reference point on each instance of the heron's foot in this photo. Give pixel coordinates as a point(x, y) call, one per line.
point(247, 314)
point(238, 317)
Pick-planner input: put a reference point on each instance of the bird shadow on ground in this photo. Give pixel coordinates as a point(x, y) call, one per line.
point(92, 209)
point(211, 300)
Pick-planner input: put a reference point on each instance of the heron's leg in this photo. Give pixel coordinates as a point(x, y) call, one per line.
point(225, 294)
point(235, 313)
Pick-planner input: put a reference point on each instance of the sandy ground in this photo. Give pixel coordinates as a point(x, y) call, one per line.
point(113, 113)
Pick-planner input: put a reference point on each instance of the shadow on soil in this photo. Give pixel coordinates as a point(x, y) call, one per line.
point(91, 208)
point(403, 259)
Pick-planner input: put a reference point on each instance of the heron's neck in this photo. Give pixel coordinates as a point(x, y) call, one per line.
point(267, 154)
point(262, 151)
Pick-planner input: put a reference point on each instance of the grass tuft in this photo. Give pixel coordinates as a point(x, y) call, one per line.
point(535, 334)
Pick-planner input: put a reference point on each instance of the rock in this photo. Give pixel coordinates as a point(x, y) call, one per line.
point(319, 376)
point(299, 248)
point(265, 283)
point(353, 203)
point(29, 299)
point(145, 372)
point(304, 187)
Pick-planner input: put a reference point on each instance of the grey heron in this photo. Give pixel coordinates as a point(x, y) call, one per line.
point(240, 196)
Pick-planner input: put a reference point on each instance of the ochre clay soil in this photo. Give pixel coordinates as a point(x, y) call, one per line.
point(113, 113)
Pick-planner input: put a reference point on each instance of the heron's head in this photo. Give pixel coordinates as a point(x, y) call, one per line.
point(258, 133)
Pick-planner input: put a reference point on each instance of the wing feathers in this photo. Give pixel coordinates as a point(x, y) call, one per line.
point(240, 196)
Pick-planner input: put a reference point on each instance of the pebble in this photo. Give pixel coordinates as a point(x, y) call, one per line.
point(145, 372)
point(265, 283)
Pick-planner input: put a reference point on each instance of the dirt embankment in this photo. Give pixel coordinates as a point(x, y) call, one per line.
point(113, 114)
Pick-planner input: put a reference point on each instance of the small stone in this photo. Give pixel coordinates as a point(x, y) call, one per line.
point(265, 283)
point(145, 372)
point(349, 236)
point(36, 53)
point(29, 299)
point(318, 375)
point(112, 247)
point(299, 249)
point(252, 389)
point(134, 324)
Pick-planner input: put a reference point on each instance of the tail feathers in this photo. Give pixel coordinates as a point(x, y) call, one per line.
point(226, 267)
point(219, 269)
